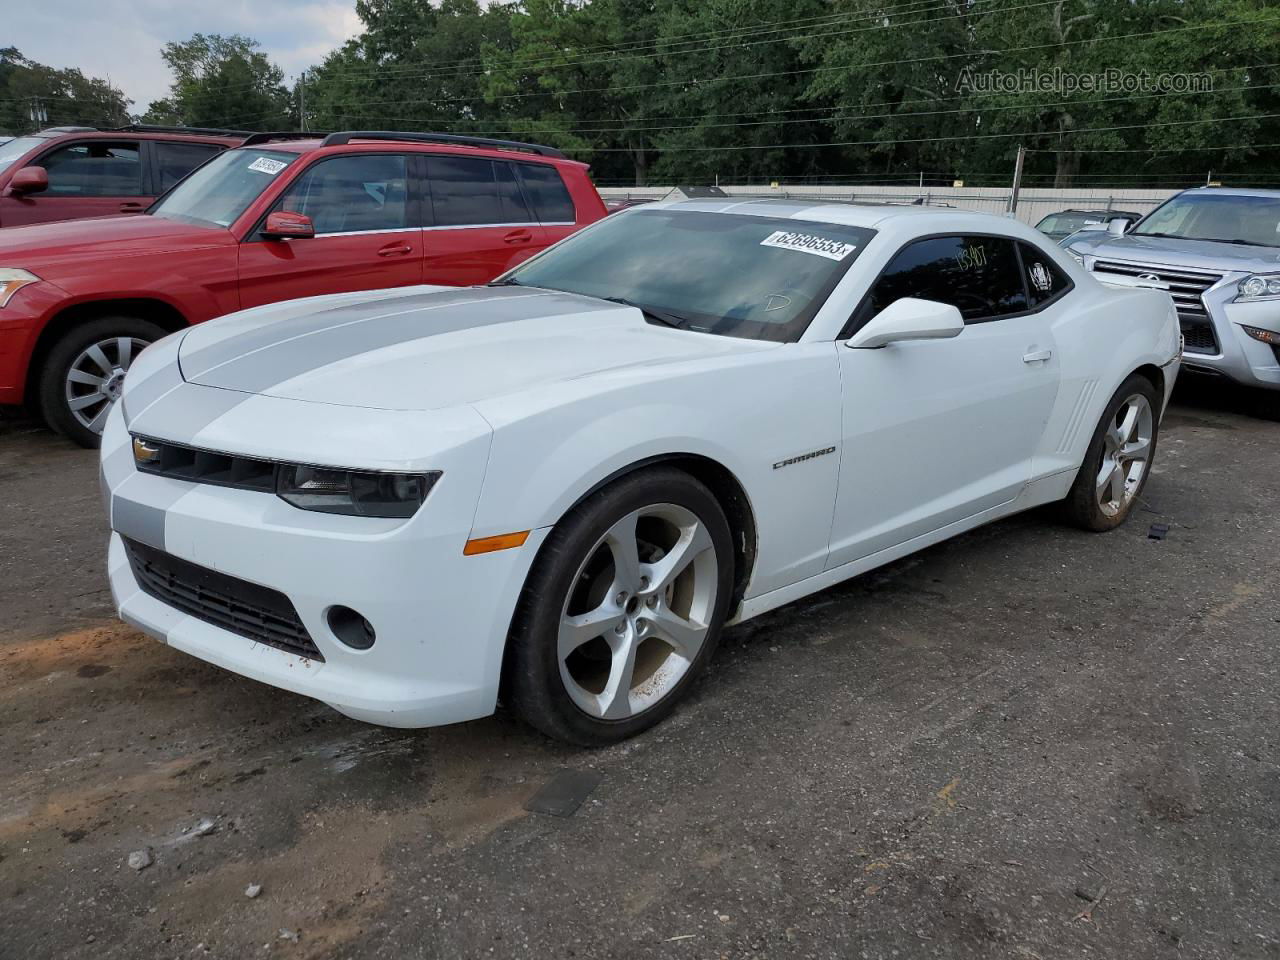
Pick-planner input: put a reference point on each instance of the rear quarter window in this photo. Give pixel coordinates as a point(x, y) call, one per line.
point(547, 192)
point(1045, 280)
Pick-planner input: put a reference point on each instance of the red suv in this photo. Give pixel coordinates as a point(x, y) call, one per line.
point(271, 220)
point(66, 173)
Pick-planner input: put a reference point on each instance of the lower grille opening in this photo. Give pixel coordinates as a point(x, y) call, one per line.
point(1199, 337)
point(237, 606)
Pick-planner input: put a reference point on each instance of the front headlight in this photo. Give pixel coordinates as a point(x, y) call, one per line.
point(12, 280)
point(1260, 286)
point(353, 493)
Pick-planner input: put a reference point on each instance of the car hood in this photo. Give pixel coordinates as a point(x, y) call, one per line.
point(1169, 251)
point(46, 245)
point(425, 348)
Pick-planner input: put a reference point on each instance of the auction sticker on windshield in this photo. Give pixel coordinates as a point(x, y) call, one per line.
point(808, 243)
point(267, 165)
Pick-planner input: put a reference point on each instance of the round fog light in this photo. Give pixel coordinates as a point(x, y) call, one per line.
point(351, 628)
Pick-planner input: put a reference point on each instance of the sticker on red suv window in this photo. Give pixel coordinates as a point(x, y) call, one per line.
point(267, 165)
point(808, 243)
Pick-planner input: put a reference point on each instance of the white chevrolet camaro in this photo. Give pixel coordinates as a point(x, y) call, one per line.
point(556, 490)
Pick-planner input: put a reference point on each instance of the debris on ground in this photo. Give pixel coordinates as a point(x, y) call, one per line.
point(287, 934)
point(1158, 531)
point(205, 827)
point(140, 859)
point(563, 794)
point(252, 890)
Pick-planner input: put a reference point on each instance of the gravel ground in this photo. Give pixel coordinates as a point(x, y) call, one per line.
point(943, 758)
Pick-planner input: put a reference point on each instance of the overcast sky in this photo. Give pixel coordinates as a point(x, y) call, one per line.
point(121, 39)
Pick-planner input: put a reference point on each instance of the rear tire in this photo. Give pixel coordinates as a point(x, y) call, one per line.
point(83, 373)
point(622, 610)
point(1118, 461)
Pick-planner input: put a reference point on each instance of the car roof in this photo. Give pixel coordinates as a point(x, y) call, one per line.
point(53, 135)
point(1237, 192)
point(871, 215)
point(415, 146)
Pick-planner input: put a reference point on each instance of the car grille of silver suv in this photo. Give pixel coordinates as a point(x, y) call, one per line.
point(1187, 288)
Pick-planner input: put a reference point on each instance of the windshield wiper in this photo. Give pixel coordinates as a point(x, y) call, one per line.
point(1179, 236)
point(657, 316)
point(509, 282)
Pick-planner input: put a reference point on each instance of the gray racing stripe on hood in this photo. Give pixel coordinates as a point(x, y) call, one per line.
point(187, 412)
point(196, 361)
point(282, 360)
point(142, 394)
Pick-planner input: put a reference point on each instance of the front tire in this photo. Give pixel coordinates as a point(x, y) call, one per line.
point(1118, 461)
point(83, 374)
point(622, 610)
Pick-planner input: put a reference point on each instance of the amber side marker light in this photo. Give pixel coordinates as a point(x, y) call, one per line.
point(504, 541)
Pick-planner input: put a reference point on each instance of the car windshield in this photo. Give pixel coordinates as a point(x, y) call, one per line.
point(1068, 222)
point(218, 192)
point(13, 151)
point(730, 274)
point(1227, 218)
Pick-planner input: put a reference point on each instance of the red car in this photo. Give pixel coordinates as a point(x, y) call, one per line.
point(271, 220)
point(66, 173)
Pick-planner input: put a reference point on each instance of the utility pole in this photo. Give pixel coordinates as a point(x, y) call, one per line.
point(1017, 180)
point(302, 101)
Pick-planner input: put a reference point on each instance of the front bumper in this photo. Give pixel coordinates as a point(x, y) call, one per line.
point(441, 618)
point(1240, 357)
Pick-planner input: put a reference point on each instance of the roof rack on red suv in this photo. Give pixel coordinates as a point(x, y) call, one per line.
point(346, 136)
point(161, 128)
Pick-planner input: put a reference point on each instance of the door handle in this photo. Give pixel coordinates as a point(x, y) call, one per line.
point(1037, 356)
point(518, 236)
point(397, 250)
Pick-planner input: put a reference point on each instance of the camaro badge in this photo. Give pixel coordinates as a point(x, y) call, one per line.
point(803, 457)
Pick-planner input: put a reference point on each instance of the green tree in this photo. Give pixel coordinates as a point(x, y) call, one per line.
point(223, 81)
point(29, 90)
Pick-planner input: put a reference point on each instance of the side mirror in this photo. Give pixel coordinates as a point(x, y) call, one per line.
point(283, 225)
point(1119, 226)
point(29, 180)
point(908, 319)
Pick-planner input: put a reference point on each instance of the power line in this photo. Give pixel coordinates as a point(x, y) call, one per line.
point(842, 67)
point(844, 117)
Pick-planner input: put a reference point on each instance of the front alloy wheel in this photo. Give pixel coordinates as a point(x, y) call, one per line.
point(622, 609)
point(96, 377)
point(638, 612)
point(83, 374)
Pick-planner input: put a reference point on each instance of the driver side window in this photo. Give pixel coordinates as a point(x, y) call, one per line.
point(978, 275)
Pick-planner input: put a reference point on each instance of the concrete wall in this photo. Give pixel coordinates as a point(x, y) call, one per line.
point(1032, 204)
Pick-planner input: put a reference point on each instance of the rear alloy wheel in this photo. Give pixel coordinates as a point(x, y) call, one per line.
point(84, 374)
point(1119, 458)
point(622, 610)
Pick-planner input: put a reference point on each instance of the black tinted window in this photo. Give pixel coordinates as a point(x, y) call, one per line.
point(471, 192)
point(978, 275)
point(514, 208)
point(350, 194)
point(175, 160)
point(547, 192)
point(1044, 279)
point(96, 169)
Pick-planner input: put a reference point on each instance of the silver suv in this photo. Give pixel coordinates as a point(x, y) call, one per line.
point(1218, 252)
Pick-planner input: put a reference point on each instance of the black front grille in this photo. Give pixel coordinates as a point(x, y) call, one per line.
point(238, 606)
point(204, 466)
point(1187, 287)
